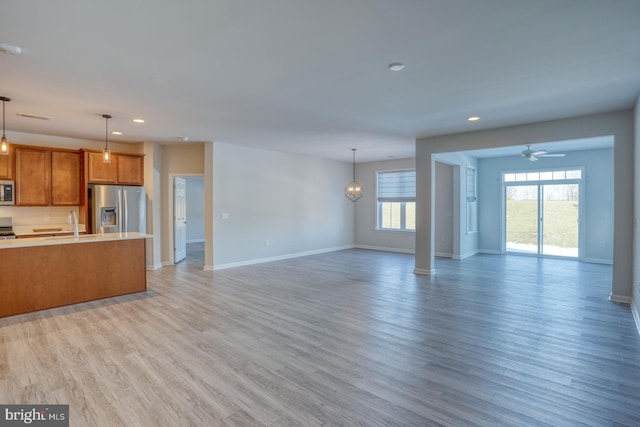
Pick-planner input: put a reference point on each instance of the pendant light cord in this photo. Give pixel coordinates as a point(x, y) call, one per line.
point(354, 163)
point(3, 136)
point(106, 133)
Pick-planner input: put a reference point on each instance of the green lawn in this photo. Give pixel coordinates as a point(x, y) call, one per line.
point(560, 222)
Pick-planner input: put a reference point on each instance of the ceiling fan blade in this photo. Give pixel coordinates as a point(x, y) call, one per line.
point(533, 158)
point(539, 153)
point(552, 155)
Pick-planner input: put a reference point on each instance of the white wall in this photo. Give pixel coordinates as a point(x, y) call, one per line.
point(619, 124)
point(366, 235)
point(444, 210)
point(295, 203)
point(465, 243)
point(597, 202)
point(195, 208)
point(636, 212)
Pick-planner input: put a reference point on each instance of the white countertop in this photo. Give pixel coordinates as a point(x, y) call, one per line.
point(65, 240)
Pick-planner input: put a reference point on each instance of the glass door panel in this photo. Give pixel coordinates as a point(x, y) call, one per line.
point(560, 207)
point(522, 218)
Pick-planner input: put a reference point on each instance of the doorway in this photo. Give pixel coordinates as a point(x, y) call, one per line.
point(542, 213)
point(187, 213)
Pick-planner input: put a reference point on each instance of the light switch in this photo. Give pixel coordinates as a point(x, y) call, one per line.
point(224, 215)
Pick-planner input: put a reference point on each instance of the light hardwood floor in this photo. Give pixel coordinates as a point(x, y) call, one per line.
point(344, 338)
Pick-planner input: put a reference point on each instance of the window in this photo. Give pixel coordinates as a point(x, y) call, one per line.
point(472, 207)
point(550, 175)
point(397, 200)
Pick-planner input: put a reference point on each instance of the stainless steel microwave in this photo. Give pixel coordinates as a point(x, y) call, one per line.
point(6, 193)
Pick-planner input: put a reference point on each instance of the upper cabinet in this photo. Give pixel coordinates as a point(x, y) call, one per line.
point(65, 178)
point(125, 169)
point(47, 177)
point(99, 172)
point(6, 164)
point(130, 169)
point(33, 176)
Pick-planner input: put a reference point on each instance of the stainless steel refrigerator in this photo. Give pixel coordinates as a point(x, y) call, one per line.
point(117, 209)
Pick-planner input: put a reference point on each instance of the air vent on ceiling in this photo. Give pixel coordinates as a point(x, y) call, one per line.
point(34, 116)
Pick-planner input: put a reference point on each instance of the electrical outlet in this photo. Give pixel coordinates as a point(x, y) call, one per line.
point(266, 243)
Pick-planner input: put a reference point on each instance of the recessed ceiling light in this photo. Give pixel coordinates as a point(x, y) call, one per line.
point(138, 121)
point(396, 66)
point(115, 132)
point(473, 118)
point(10, 49)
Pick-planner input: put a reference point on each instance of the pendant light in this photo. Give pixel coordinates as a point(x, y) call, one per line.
point(106, 154)
point(353, 191)
point(4, 144)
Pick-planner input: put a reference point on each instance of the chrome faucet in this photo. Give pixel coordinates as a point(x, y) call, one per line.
point(72, 218)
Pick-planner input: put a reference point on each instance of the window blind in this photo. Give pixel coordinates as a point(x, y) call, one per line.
point(397, 186)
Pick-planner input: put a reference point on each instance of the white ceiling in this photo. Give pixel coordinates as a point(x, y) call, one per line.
point(309, 76)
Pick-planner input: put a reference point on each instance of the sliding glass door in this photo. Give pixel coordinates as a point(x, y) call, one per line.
point(560, 219)
point(542, 218)
point(522, 218)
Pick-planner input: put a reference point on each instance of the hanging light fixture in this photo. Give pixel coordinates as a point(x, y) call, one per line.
point(4, 144)
point(106, 154)
point(353, 191)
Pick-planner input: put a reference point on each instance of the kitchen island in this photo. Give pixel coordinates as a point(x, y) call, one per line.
point(47, 272)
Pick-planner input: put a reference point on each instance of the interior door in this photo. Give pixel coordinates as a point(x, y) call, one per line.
point(179, 219)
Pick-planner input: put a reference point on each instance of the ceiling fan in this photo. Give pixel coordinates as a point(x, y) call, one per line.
point(532, 155)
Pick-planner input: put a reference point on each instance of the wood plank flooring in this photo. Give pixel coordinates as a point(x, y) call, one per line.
point(344, 338)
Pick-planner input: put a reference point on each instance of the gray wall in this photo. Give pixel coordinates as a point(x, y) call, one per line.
point(295, 203)
point(597, 200)
point(195, 208)
point(465, 244)
point(366, 235)
point(636, 212)
point(444, 209)
point(619, 124)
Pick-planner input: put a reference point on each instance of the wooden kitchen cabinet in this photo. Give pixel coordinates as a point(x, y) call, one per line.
point(130, 169)
point(65, 178)
point(33, 176)
point(6, 164)
point(125, 169)
point(99, 172)
point(47, 177)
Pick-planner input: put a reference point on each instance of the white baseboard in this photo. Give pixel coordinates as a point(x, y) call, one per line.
point(167, 263)
point(382, 248)
point(195, 241)
point(598, 261)
point(276, 258)
point(443, 255)
point(620, 299)
point(465, 255)
point(208, 268)
point(489, 251)
point(424, 272)
point(636, 314)
point(153, 267)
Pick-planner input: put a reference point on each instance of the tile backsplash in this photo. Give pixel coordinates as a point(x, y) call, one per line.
point(45, 216)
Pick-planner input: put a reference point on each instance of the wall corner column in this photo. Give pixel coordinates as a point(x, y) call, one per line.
point(425, 192)
point(208, 206)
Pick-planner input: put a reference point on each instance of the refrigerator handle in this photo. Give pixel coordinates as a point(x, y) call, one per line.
point(125, 225)
point(119, 210)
